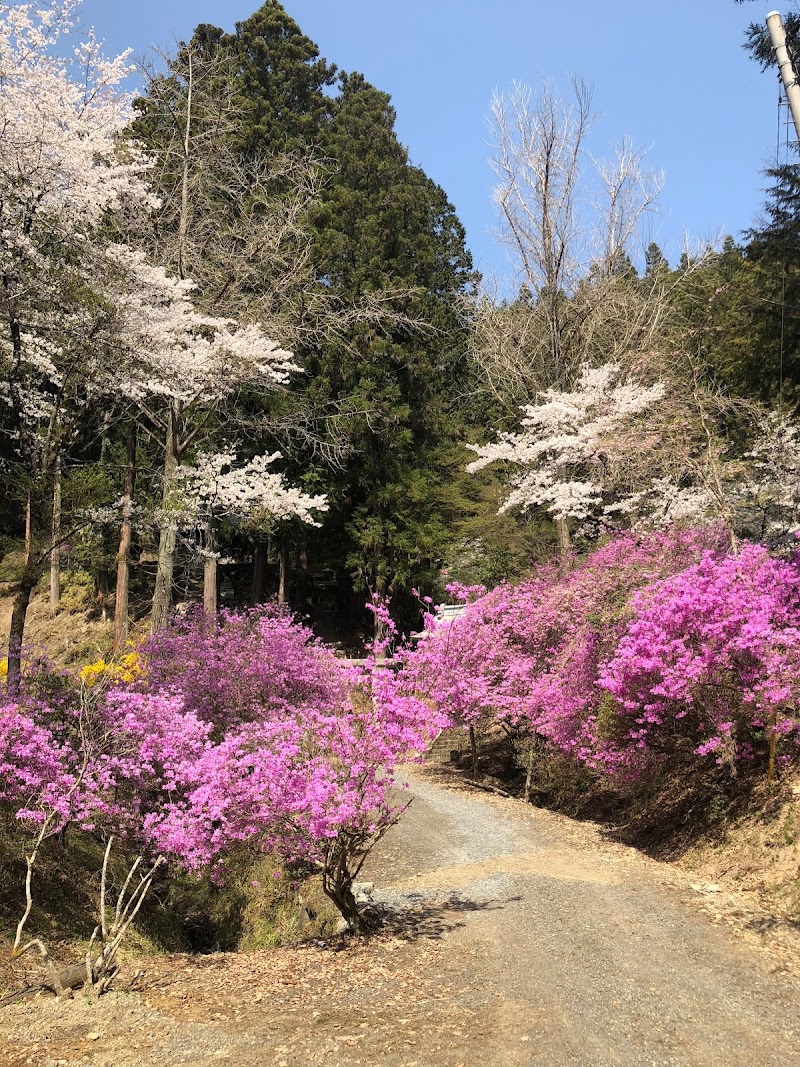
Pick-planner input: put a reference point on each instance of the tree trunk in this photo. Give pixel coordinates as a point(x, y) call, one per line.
point(30, 576)
point(210, 567)
point(563, 535)
point(162, 596)
point(473, 748)
point(259, 573)
point(562, 524)
point(378, 625)
point(183, 223)
point(337, 885)
point(55, 551)
point(124, 554)
point(283, 570)
point(28, 530)
point(529, 776)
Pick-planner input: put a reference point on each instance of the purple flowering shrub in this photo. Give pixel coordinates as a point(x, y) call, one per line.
point(236, 731)
point(651, 645)
point(711, 655)
point(244, 666)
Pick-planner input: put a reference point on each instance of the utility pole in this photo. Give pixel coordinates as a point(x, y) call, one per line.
point(777, 34)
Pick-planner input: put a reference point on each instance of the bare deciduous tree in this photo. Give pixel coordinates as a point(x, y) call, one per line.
point(574, 224)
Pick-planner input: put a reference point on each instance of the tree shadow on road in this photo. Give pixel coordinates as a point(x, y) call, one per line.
point(773, 924)
point(418, 918)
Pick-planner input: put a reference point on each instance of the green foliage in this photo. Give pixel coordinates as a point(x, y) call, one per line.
point(383, 225)
point(385, 375)
point(282, 79)
point(282, 908)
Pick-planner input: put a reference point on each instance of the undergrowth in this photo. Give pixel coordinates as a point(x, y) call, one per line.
point(260, 905)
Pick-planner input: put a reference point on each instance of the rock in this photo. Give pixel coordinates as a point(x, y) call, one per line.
point(94, 1036)
point(342, 927)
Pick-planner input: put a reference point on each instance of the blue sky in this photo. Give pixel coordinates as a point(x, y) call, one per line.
point(672, 74)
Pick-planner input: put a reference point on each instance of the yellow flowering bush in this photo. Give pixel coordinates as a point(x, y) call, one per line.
point(126, 669)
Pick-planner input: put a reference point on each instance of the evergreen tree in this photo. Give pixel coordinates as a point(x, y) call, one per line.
point(283, 80)
point(386, 250)
point(654, 260)
point(384, 224)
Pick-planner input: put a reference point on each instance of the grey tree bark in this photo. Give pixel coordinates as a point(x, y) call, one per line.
point(124, 554)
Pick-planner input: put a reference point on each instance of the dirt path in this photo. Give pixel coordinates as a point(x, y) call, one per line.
point(515, 937)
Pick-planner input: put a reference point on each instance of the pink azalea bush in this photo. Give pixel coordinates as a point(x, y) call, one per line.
point(238, 730)
point(651, 644)
point(710, 655)
point(35, 769)
point(244, 666)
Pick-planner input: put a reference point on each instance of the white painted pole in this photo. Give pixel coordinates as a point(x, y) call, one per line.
point(777, 35)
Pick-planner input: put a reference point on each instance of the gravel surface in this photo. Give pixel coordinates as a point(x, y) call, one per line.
point(594, 950)
point(511, 936)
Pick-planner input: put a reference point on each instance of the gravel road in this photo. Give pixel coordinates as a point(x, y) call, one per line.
point(514, 936)
point(588, 953)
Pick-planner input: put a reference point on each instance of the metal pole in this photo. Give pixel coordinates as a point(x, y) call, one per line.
point(777, 35)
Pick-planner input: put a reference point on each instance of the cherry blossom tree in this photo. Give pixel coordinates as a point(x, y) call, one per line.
point(176, 366)
point(768, 494)
point(574, 226)
point(252, 494)
point(62, 171)
point(573, 443)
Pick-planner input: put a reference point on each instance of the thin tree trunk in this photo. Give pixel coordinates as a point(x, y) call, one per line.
point(55, 551)
point(473, 748)
point(101, 578)
point(378, 625)
point(30, 576)
point(283, 570)
point(564, 538)
point(162, 596)
point(102, 593)
point(529, 776)
point(259, 569)
point(183, 225)
point(562, 524)
point(124, 554)
point(28, 529)
point(210, 568)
